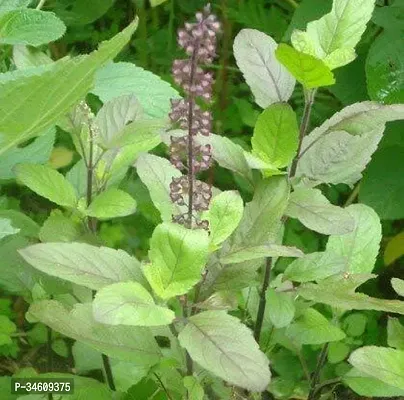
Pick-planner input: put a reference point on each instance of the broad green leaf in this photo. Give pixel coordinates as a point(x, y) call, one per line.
point(77, 176)
point(337, 352)
point(310, 71)
point(114, 115)
point(123, 78)
point(398, 286)
point(313, 328)
point(339, 150)
point(59, 228)
point(48, 183)
point(361, 246)
point(157, 174)
point(255, 252)
point(224, 346)
point(339, 291)
point(178, 256)
point(276, 132)
point(225, 212)
point(6, 228)
point(339, 31)
point(129, 303)
point(315, 212)
point(8, 5)
point(394, 249)
point(382, 186)
point(81, 263)
point(395, 333)
point(112, 203)
point(384, 68)
point(134, 344)
point(7, 327)
point(37, 152)
point(30, 27)
point(194, 388)
point(27, 227)
point(315, 267)
point(261, 218)
point(268, 79)
point(355, 324)
point(280, 308)
point(390, 18)
point(381, 363)
point(364, 385)
point(25, 56)
point(60, 157)
point(29, 108)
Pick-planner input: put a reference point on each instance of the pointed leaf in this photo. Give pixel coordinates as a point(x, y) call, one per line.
point(398, 286)
point(314, 211)
point(275, 138)
point(361, 246)
point(48, 183)
point(269, 80)
point(178, 256)
point(280, 308)
point(129, 303)
point(81, 263)
point(225, 347)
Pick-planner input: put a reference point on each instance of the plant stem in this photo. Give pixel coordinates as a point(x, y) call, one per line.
point(293, 3)
point(261, 308)
point(40, 4)
point(352, 197)
point(316, 375)
point(163, 387)
point(309, 100)
point(92, 226)
point(323, 385)
point(49, 366)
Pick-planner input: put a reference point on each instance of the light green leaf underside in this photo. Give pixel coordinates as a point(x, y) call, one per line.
point(129, 303)
point(398, 286)
point(48, 183)
point(6, 228)
point(81, 263)
point(178, 256)
point(29, 108)
point(134, 344)
point(112, 203)
point(8, 5)
point(221, 344)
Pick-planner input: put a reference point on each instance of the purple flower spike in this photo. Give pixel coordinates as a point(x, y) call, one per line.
point(199, 42)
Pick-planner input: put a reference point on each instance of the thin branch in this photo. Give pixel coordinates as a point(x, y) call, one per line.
point(352, 197)
point(293, 3)
point(40, 4)
point(163, 387)
point(316, 375)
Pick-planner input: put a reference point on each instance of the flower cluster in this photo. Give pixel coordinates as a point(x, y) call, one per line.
point(199, 42)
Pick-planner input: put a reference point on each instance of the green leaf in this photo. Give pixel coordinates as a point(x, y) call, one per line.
point(7, 327)
point(339, 291)
point(394, 249)
point(178, 256)
point(8, 5)
point(255, 252)
point(262, 215)
point(276, 132)
point(337, 33)
point(365, 385)
point(315, 267)
point(48, 183)
point(339, 150)
point(361, 246)
point(26, 56)
point(129, 303)
point(225, 212)
point(280, 308)
point(398, 286)
point(112, 203)
point(315, 212)
point(27, 227)
point(114, 115)
point(310, 71)
point(118, 79)
point(134, 344)
point(37, 152)
point(6, 228)
point(29, 108)
point(395, 334)
point(59, 228)
point(30, 27)
point(337, 352)
point(382, 186)
point(384, 68)
point(381, 363)
point(157, 173)
point(355, 324)
point(81, 263)
point(313, 328)
point(221, 344)
point(269, 80)
point(194, 388)
point(390, 18)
